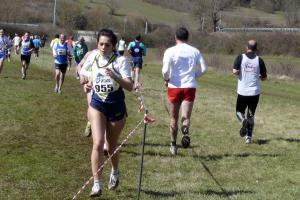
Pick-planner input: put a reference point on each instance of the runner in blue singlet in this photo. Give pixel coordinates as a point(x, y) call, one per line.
point(26, 46)
point(4, 45)
point(61, 52)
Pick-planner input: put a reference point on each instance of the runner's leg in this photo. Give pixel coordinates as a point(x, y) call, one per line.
point(113, 132)
point(98, 122)
point(136, 77)
point(241, 105)
point(57, 79)
point(187, 108)
point(26, 67)
point(1, 65)
point(69, 64)
point(253, 101)
point(174, 113)
point(23, 69)
point(61, 80)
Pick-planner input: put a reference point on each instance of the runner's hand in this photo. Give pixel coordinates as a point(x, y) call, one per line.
point(87, 87)
point(111, 74)
point(83, 80)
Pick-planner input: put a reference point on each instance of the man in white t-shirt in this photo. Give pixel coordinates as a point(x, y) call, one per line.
point(16, 41)
point(121, 46)
point(250, 69)
point(182, 64)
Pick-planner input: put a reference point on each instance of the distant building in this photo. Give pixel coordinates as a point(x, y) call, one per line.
point(89, 36)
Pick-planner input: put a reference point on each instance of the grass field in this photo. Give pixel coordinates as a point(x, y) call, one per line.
point(44, 155)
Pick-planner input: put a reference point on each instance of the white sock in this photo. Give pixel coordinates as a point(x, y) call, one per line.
point(97, 185)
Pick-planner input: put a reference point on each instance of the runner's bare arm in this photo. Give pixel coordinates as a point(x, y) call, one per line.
point(125, 83)
point(203, 68)
point(83, 79)
point(236, 72)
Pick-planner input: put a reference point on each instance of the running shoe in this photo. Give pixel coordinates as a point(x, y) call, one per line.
point(55, 89)
point(96, 191)
point(185, 140)
point(113, 181)
point(173, 149)
point(244, 129)
point(88, 130)
point(248, 140)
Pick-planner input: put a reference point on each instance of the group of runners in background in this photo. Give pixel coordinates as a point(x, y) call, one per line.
point(105, 71)
point(24, 45)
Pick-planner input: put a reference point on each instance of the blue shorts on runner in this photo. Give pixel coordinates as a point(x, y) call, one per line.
point(2, 56)
point(137, 62)
point(112, 111)
point(26, 58)
point(61, 67)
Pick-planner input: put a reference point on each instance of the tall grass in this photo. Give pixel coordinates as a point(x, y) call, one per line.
point(44, 155)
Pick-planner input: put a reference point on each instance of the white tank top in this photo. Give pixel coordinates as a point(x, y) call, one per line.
point(121, 46)
point(249, 78)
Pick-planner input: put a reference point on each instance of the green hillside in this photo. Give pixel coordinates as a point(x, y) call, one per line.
point(42, 13)
point(154, 14)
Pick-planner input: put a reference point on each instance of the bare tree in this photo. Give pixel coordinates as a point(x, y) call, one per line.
point(104, 20)
point(292, 12)
point(211, 9)
point(8, 9)
point(112, 5)
point(67, 14)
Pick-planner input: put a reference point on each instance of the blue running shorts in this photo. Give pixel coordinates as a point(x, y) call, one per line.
point(112, 111)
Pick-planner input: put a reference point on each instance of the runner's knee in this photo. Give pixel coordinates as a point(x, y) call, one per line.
point(98, 145)
point(240, 116)
point(251, 120)
point(173, 123)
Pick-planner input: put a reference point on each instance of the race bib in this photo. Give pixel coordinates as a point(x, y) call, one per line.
point(136, 50)
point(61, 52)
point(79, 52)
point(103, 84)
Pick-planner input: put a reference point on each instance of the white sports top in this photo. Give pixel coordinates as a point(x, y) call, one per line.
point(17, 40)
point(182, 64)
point(249, 77)
point(121, 45)
point(103, 84)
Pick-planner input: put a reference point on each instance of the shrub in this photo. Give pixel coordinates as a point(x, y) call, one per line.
point(284, 69)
